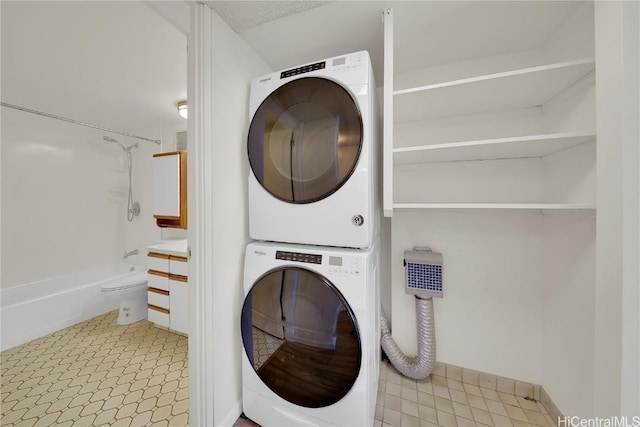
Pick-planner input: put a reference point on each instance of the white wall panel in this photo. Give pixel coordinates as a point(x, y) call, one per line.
point(490, 181)
point(570, 175)
point(574, 39)
point(567, 311)
point(609, 224)
point(64, 199)
point(489, 318)
point(225, 233)
point(524, 121)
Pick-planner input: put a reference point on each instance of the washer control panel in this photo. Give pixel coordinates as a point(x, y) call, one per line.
point(345, 266)
point(299, 257)
point(334, 265)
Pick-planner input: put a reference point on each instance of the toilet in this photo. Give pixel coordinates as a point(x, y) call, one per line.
point(131, 292)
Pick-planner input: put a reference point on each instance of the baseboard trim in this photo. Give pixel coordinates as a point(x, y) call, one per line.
point(489, 381)
point(232, 414)
point(550, 406)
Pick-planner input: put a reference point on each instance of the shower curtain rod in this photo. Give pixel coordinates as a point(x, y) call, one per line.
point(53, 116)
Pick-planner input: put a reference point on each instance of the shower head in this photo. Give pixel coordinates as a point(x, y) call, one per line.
point(133, 208)
point(109, 139)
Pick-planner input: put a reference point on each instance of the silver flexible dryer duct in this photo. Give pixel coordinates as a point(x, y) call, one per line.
point(421, 366)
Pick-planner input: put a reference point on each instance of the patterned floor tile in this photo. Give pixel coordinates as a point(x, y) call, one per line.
point(97, 373)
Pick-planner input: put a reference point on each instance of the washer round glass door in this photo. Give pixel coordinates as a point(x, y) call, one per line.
point(301, 337)
point(305, 140)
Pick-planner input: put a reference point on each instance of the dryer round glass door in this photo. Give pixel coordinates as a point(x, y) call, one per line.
point(305, 140)
point(301, 337)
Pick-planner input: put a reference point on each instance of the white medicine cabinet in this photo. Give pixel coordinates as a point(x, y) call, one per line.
point(170, 189)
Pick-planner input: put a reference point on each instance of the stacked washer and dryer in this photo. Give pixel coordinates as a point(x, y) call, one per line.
point(310, 318)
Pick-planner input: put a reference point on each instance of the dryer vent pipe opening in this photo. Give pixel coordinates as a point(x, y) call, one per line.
point(420, 366)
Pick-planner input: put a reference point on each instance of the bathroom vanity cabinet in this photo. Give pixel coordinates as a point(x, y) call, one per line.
point(168, 291)
point(170, 189)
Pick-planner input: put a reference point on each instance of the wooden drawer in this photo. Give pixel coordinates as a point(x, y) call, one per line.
point(158, 297)
point(158, 315)
point(178, 265)
point(158, 262)
point(158, 280)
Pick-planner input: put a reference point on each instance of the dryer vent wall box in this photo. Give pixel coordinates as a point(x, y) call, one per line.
point(313, 149)
point(423, 273)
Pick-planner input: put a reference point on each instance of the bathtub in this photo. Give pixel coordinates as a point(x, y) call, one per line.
point(33, 310)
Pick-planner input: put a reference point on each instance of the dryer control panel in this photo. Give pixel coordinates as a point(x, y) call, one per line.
point(303, 69)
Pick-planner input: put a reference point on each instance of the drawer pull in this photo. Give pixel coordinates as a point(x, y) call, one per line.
point(156, 308)
point(158, 273)
point(158, 291)
point(157, 255)
point(178, 258)
point(178, 278)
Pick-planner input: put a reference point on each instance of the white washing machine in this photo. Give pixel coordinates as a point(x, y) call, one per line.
point(310, 330)
point(313, 148)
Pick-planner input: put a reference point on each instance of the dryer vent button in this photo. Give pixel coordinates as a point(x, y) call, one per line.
point(357, 220)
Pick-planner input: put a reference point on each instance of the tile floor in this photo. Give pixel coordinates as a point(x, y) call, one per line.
point(97, 373)
point(439, 401)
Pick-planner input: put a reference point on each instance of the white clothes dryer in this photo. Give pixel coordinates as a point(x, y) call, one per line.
point(310, 329)
point(313, 148)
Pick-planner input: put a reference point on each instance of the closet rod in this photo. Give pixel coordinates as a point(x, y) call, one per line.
point(52, 116)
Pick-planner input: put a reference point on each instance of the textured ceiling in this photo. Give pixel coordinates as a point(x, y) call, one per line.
point(242, 15)
point(427, 33)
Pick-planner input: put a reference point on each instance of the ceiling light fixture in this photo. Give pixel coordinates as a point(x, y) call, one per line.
point(182, 108)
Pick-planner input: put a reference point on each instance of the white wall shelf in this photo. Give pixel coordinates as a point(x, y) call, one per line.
point(488, 149)
point(559, 91)
point(491, 158)
point(520, 88)
point(509, 206)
